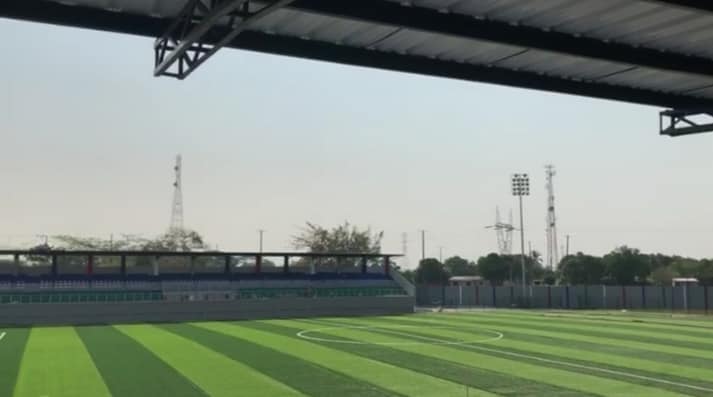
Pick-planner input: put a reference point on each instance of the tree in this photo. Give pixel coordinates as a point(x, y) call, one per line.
point(657, 261)
point(431, 271)
point(582, 269)
point(494, 268)
point(409, 274)
point(704, 274)
point(685, 267)
point(458, 266)
point(626, 266)
point(343, 238)
point(549, 277)
point(663, 275)
point(176, 240)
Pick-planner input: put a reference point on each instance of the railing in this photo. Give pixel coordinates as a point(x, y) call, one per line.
point(654, 298)
point(403, 282)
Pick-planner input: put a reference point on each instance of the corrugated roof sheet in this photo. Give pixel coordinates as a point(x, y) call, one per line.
point(637, 23)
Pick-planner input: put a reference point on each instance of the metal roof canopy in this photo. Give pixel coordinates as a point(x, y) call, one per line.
point(651, 52)
point(187, 254)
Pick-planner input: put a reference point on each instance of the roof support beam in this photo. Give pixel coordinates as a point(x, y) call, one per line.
point(691, 4)
point(457, 25)
point(678, 122)
point(184, 42)
point(313, 49)
point(60, 14)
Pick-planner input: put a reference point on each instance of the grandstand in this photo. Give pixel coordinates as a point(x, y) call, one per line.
point(191, 285)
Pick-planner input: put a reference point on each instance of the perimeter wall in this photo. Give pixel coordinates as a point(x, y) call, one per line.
point(681, 298)
point(123, 312)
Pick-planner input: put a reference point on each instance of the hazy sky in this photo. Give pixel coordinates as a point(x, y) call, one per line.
point(88, 139)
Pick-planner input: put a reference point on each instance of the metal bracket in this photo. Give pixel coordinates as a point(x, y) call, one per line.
point(202, 28)
point(678, 122)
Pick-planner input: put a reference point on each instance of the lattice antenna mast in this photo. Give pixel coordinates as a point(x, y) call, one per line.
point(500, 232)
point(552, 254)
point(177, 208)
point(508, 235)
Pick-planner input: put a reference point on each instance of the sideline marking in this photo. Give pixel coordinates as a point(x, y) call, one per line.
point(565, 363)
point(3, 335)
point(304, 334)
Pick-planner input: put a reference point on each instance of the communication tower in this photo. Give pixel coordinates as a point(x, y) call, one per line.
point(552, 256)
point(177, 208)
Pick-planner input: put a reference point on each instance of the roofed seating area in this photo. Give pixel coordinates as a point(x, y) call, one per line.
point(184, 278)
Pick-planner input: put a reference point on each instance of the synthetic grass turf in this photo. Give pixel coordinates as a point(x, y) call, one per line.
point(371, 371)
point(670, 338)
point(12, 347)
point(674, 367)
point(213, 372)
point(302, 375)
point(55, 364)
point(538, 356)
point(531, 371)
point(131, 370)
point(650, 373)
point(495, 382)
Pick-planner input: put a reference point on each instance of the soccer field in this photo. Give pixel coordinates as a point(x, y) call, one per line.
point(509, 353)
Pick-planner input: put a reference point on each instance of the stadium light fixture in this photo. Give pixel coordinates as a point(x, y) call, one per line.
point(520, 188)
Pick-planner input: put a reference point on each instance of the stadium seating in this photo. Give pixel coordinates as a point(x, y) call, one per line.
point(192, 287)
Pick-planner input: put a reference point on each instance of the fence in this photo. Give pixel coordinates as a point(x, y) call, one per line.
point(680, 298)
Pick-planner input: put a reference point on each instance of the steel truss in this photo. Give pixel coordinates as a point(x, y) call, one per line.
point(192, 38)
point(677, 122)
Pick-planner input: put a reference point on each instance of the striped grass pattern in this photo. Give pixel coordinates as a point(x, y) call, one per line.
point(487, 353)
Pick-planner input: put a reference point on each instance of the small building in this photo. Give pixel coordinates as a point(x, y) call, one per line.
point(465, 281)
point(687, 281)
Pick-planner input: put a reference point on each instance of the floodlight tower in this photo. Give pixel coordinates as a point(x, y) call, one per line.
point(177, 208)
point(520, 188)
point(552, 254)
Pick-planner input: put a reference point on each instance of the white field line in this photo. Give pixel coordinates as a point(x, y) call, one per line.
point(550, 361)
point(2, 335)
point(305, 335)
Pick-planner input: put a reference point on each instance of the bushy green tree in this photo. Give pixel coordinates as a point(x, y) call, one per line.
point(494, 268)
point(582, 269)
point(431, 271)
point(458, 266)
point(627, 266)
point(663, 275)
point(704, 274)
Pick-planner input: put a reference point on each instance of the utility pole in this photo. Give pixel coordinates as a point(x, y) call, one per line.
point(440, 254)
point(423, 244)
point(567, 246)
point(529, 247)
point(404, 248)
point(261, 232)
point(521, 187)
